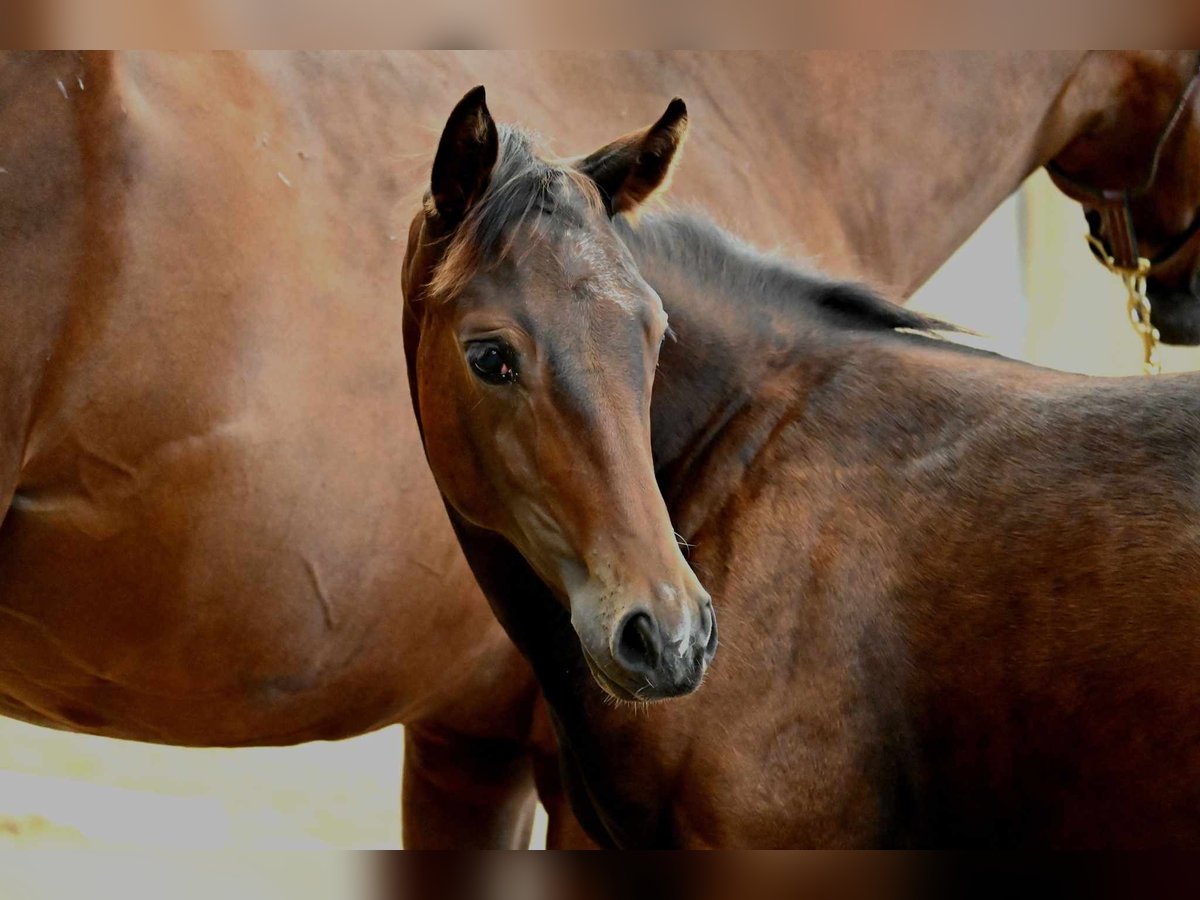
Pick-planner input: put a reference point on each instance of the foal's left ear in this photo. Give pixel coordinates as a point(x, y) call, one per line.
point(633, 167)
point(465, 157)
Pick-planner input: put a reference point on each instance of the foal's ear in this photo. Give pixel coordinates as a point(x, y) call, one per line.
point(632, 168)
point(465, 157)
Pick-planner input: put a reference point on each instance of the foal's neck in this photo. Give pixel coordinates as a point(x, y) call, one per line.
point(752, 340)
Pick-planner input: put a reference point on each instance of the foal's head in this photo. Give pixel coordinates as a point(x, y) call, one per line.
point(533, 342)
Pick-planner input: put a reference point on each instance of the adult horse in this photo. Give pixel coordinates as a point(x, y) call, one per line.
point(218, 527)
point(959, 595)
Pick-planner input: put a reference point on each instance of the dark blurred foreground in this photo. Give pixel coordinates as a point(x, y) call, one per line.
point(59, 875)
point(781, 876)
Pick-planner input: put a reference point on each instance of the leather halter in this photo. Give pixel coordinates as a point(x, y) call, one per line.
point(1114, 204)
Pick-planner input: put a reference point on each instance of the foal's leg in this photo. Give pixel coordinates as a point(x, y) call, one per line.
point(564, 831)
point(463, 791)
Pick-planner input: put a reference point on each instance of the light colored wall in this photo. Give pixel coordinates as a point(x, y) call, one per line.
point(980, 286)
point(106, 793)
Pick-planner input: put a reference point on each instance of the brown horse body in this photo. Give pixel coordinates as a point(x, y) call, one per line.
point(217, 523)
point(957, 593)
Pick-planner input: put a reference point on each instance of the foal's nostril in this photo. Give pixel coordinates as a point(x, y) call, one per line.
point(638, 644)
point(710, 623)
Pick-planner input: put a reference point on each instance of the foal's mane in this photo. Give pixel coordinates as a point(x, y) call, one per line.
point(527, 190)
point(711, 257)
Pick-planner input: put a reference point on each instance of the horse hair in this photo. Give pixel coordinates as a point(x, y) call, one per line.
point(523, 182)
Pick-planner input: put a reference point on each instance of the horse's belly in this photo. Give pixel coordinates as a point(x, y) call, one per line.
point(237, 586)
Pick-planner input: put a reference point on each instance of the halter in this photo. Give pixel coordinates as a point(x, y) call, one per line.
point(1120, 255)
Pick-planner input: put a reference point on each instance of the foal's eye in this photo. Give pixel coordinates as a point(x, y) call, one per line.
point(493, 361)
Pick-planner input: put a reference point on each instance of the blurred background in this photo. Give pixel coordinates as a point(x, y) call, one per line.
point(1025, 282)
point(1028, 284)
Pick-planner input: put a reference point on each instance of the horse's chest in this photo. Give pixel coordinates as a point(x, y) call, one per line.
point(800, 702)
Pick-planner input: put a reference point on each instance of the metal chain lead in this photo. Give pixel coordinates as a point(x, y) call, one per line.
point(1138, 305)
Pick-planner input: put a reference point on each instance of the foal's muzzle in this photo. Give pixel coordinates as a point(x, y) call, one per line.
point(654, 657)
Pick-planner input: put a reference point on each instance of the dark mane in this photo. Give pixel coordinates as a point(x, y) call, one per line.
point(526, 188)
point(523, 187)
point(705, 253)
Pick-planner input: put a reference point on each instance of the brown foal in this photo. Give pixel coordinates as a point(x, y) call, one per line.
point(958, 594)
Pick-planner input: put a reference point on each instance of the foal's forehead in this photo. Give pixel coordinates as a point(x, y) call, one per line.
point(541, 242)
point(575, 249)
point(587, 264)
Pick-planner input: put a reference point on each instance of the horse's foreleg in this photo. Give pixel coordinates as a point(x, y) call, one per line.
point(465, 792)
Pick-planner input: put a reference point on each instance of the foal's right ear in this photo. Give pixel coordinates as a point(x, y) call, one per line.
point(465, 157)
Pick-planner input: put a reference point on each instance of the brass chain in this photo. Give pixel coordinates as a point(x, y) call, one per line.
point(1138, 304)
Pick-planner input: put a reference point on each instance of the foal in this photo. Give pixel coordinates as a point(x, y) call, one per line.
point(959, 594)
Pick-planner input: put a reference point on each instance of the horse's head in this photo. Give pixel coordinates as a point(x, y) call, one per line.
point(1136, 170)
point(532, 343)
